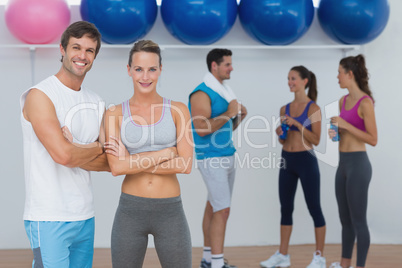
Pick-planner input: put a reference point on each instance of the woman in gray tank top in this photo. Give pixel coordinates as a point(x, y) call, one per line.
point(149, 141)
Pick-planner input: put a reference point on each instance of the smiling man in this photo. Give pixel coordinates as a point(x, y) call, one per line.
point(61, 122)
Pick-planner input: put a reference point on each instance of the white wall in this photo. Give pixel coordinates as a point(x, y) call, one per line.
point(260, 81)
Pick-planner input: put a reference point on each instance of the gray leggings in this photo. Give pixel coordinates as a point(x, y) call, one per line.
point(164, 218)
point(351, 187)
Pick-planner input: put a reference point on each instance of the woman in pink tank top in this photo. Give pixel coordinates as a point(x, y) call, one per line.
point(356, 121)
point(357, 127)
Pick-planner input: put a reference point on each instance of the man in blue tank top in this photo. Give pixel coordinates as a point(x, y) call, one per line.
point(215, 114)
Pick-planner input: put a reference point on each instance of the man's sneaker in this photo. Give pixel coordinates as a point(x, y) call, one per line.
point(227, 265)
point(276, 260)
point(337, 265)
point(205, 264)
point(318, 261)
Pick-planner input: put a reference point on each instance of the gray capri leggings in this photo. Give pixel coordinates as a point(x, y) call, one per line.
point(136, 218)
point(351, 187)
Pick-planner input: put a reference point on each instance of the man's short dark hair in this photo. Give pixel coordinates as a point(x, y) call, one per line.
point(79, 29)
point(216, 55)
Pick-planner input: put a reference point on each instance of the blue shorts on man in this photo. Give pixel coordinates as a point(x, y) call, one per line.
point(68, 244)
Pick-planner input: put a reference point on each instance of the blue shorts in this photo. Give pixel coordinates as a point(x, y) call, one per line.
point(219, 175)
point(61, 244)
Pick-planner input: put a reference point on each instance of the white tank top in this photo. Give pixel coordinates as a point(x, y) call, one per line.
point(54, 192)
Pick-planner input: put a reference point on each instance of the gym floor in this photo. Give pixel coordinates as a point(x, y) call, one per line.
point(380, 256)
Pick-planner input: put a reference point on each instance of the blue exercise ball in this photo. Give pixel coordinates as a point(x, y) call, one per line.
point(353, 21)
point(200, 22)
point(276, 22)
point(120, 21)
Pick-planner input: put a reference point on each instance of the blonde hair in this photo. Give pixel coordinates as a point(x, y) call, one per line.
point(146, 46)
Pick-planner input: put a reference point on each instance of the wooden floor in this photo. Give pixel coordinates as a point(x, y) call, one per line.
point(380, 256)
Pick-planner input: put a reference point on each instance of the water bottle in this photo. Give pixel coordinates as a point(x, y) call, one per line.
point(336, 137)
point(285, 128)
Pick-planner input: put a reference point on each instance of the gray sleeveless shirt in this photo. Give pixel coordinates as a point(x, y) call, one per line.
point(138, 137)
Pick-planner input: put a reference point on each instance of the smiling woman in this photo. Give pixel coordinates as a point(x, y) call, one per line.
point(154, 131)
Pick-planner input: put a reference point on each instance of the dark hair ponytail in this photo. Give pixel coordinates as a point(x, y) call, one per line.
point(357, 64)
point(312, 87)
point(312, 81)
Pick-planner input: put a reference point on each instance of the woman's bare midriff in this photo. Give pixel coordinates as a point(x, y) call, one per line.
point(151, 185)
point(349, 143)
point(296, 143)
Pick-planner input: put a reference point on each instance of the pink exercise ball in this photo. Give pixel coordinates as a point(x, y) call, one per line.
point(37, 21)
